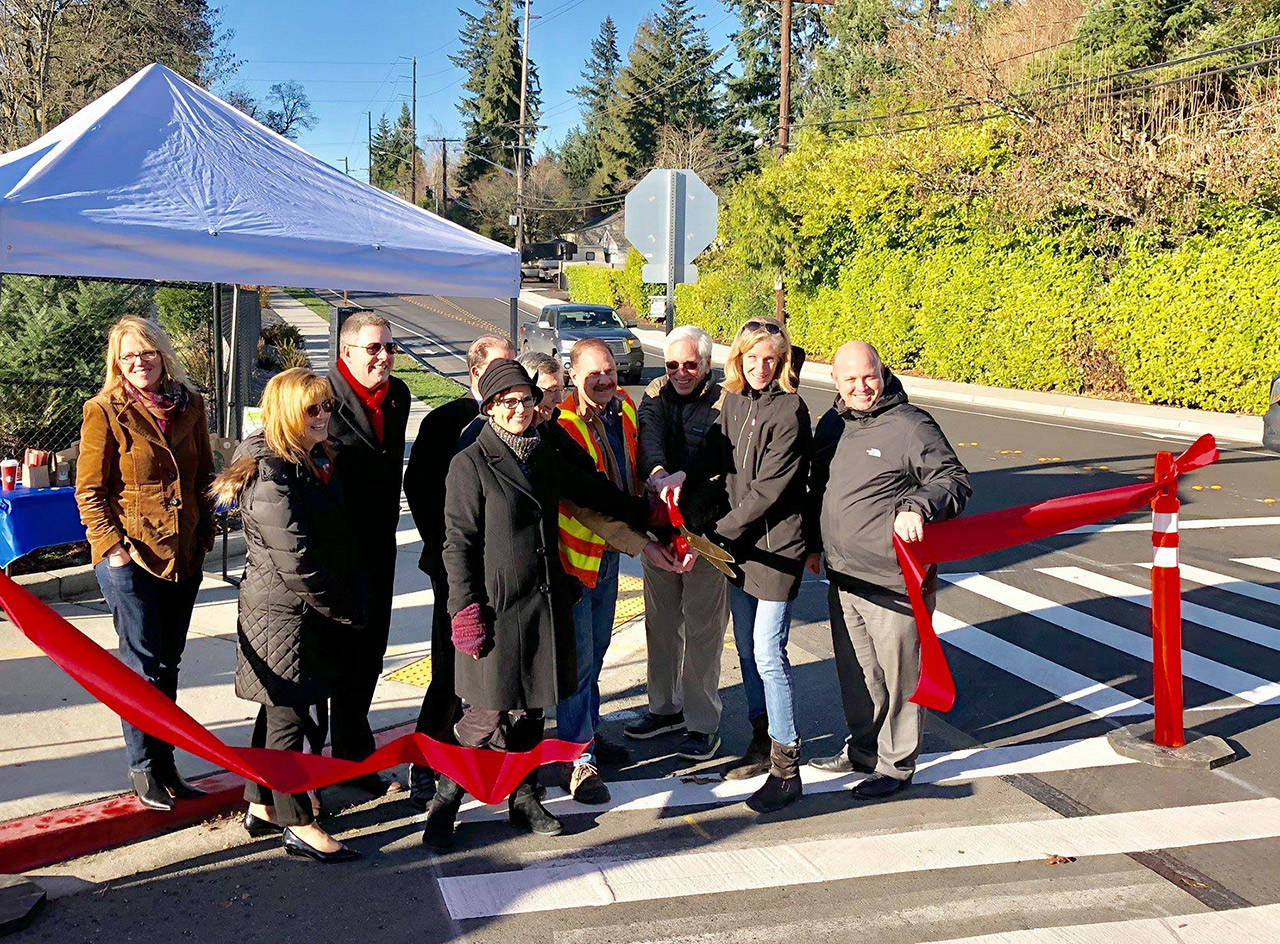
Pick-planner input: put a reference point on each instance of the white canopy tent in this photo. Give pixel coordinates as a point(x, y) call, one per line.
point(159, 179)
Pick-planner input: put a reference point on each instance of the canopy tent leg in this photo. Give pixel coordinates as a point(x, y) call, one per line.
point(233, 365)
point(219, 390)
point(515, 323)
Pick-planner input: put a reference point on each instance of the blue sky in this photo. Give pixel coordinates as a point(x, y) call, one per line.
point(346, 56)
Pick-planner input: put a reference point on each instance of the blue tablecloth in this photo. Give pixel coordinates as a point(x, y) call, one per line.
point(31, 518)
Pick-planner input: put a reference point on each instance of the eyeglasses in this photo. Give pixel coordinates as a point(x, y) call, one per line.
point(690, 366)
point(315, 409)
point(516, 403)
point(134, 356)
point(373, 349)
point(762, 326)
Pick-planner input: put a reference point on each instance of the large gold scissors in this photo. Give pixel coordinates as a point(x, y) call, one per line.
point(716, 556)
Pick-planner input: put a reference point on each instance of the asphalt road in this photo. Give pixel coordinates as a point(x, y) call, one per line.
point(1049, 644)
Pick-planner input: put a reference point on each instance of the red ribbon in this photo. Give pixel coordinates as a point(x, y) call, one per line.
point(487, 775)
point(976, 535)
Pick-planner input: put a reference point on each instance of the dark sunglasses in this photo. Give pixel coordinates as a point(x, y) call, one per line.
point(315, 409)
point(373, 349)
point(690, 366)
point(762, 325)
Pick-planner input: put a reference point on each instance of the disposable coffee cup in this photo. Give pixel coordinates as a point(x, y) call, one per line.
point(9, 474)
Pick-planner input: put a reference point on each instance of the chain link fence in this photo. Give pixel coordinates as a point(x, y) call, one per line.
point(53, 340)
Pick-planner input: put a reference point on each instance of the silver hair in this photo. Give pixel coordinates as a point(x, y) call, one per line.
point(690, 333)
point(540, 362)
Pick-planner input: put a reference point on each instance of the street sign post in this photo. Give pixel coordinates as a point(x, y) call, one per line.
point(671, 217)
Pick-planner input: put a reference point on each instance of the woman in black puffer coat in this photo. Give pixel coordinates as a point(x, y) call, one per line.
point(297, 606)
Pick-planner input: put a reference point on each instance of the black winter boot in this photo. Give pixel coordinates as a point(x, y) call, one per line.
point(756, 759)
point(524, 809)
point(441, 814)
point(783, 786)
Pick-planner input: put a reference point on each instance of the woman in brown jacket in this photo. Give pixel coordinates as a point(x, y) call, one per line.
point(142, 485)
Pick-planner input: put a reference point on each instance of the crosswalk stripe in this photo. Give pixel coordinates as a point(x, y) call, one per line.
point(950, 766)
point(1257, 925)
point(1241, 588)
point(586, 883)
point(1236, 626)
point(1262, 563)
point(1097, 698)
point(1183, 525)
point(1251, 688)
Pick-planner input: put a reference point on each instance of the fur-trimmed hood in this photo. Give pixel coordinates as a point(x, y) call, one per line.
point(230, 484)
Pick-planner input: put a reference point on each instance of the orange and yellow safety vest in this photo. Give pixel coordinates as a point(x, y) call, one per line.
point(580, 547)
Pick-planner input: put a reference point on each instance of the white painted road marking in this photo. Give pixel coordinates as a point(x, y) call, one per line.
point(1262, 563)
point(1097, 698)
point(1251, 688)
point(1185, 525)
point(1241, 588)
point(1235, 626)
point(586, 883)
point(948, 767)
point(1259, 925)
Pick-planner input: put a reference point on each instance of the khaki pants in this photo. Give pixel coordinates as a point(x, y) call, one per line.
point(685, 617)
point(877, 655)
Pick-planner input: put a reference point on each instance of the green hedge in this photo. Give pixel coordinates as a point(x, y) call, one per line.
point(880, 244)
point(619, 288)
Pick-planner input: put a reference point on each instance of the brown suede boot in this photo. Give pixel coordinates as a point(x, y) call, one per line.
point(756, 759)
point(783, 786)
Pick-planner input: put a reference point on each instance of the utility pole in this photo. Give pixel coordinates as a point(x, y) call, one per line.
point(346, 166)
point(520, 150)
point(413, 145)
point(784, 123)
point(442, 194)
point(370, 114)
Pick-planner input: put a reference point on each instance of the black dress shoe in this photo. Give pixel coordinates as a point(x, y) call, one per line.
point(839, 764)
point(608, 751)
point(297, 847)
point(147, 787)
point(257, 827)
point(181, 789)
point(879, 787)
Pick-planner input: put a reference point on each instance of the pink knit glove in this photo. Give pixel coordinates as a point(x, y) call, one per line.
point(472, 631)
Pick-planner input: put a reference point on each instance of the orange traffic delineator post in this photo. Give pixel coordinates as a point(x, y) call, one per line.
point(1164, 742)
point(1166, 610)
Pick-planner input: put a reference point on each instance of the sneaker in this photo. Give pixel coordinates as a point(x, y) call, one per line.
point(586, 785)
point(652, 725)
point(699, 746)
point(422, 786)
point(609, 752)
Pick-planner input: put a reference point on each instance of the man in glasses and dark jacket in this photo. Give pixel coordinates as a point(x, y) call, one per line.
point(685, 613)
point(371, 410)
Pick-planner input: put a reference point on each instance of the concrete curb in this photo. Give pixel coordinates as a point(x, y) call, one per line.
point(1233, 427)
point(58, 835)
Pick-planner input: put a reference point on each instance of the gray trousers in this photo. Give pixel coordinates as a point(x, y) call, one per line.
point(685, 617)
point(877, 654)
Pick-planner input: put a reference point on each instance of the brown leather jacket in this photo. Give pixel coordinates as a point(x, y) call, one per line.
point(135, 487)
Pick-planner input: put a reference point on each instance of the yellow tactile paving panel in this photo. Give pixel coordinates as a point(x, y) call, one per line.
point(415, 673)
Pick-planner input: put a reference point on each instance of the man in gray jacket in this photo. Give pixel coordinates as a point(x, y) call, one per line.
point(881, 467)
point(685, 613)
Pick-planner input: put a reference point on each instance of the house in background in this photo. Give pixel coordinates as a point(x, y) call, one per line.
point(601, 243)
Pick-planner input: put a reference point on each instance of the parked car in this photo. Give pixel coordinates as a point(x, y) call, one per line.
point(559, 326)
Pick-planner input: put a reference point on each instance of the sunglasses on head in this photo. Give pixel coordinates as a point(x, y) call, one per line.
point(373, 349)
point(690, 366)
point(762, 326)
point(315, 409)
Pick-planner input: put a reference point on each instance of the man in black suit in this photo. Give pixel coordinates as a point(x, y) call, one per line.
point(444, 431)
point(371, 410)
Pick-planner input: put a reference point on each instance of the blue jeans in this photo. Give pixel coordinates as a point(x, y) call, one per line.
point(760, 631)
point(151, 618)
point(578, 716)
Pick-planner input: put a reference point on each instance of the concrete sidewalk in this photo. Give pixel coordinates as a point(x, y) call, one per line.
point(1231, 427)
point(63, 772)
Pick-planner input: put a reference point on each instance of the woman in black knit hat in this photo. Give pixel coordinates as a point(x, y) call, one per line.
point(509, 598)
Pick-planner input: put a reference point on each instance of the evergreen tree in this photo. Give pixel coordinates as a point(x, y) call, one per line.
point(491, 52)
point(580, 150)
point(855, 66)
point(671, 77)
point(382, 173)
